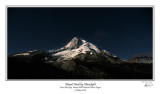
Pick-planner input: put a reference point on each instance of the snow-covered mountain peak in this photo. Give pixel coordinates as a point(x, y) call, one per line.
point(74, 43)
point(74, 47)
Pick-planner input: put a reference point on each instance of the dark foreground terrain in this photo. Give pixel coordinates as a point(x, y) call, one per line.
point(36, 68)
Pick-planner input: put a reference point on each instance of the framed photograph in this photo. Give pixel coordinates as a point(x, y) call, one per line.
point(80, 42)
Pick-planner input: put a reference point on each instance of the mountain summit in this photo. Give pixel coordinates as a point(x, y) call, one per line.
point(78, 46)
point(78, 59)
point(74, 43)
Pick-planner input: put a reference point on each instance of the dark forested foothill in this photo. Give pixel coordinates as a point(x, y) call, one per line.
point(81, 67)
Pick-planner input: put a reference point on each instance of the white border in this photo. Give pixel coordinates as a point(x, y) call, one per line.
point(51, 87)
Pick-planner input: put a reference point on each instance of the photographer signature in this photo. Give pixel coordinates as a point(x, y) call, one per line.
point(148, 83)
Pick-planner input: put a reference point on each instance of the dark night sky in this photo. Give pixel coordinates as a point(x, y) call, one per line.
point(121, 31)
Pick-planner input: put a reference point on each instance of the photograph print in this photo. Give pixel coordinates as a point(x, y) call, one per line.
point(110, 43)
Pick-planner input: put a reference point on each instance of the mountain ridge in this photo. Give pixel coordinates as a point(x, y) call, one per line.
point(86, 64)
point(78, 46)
